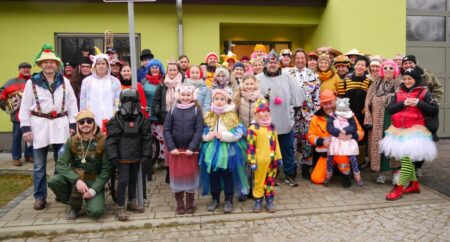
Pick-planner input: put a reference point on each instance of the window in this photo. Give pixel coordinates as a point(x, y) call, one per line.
point(426, 4)
point(425, 28)
point(69, 45)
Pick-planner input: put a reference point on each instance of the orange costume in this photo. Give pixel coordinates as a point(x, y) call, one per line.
point(317, 133)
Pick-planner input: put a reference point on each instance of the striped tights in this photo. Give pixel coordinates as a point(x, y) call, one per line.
point(407, 172)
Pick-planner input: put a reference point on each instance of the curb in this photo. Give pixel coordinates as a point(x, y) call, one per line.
point(59, 229)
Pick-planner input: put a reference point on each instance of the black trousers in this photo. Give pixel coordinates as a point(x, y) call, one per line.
point(128, 174)
point(215, 181)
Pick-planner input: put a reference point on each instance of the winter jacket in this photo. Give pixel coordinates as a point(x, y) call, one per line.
point(183, 128)
point(204, 98)
point(159, 103)
point(128, 141)
point(408, 116)
point(246, 111)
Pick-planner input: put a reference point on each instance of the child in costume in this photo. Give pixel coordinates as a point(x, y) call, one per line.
point(343, 129)
point(245, 99)
point(408, 138)
point(183, 130)
point(195, 78)
point(223, 153)
point(264, 156)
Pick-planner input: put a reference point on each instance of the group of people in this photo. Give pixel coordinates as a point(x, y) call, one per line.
point(230, 126)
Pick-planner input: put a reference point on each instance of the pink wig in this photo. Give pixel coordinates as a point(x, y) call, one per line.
point(390, 63)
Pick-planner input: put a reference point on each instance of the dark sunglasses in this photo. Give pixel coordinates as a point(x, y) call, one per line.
point(388, 68)
point(86, 121)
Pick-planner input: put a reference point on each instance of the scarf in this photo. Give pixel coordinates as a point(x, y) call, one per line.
point(154, 80)
point(185, 105)
point(354, 77)
point(125, 82)
point(170, 94)
point(325, 75)
point(228, 117)
point(216, 109)
point(264, 123)
point(22, 76)
point(196, 83)
point(252, 96)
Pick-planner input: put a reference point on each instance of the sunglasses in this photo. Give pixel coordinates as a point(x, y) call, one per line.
point(86, 121)
point(388, 68)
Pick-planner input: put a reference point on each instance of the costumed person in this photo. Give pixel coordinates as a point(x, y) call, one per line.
point(313, 60)
point(259, 51)
point(100, 92)
point(222, 81)
point(163, 102)
point(68, 69)
point(285, 97)
point(341, 124)
point(264, 156)
point(238, 72)
point(377, 119)
point(82, 71)
point(183, 129)
point(329, 80)
point(374, 68)
point(47, 116)
point(146, 57)
point(229, 60)
point(245, 99)
point(286, 58)
point(212, 60)
point(222, 158)
point(257, 65)
point(319, 137)
point(355, 88)
point(125, 80)
point(83, 169)
point(116, 65)
point(411, 103)
point(352, 55)
point(127, 145)
point(310, 86)
point(155, 76)
point(342, 65)
point(195, 78)
point(10, 97)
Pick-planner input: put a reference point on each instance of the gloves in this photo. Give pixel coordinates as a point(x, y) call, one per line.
point(253, 167)
point(280, 163)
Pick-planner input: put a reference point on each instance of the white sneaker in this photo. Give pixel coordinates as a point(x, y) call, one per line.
point(381, 179)
point(395, 177)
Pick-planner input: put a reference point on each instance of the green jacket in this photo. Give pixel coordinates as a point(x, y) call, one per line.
point(434, 85)
point(96, 163)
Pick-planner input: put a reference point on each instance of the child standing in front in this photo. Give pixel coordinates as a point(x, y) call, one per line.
point(264, 156)
point(343, 129)
point(183, 129)
point(223, 153)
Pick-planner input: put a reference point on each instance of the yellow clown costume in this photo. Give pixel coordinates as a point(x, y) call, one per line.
point(263, 154)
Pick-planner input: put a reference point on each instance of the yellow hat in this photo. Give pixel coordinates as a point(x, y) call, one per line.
point(260, 47)
point(47, 53)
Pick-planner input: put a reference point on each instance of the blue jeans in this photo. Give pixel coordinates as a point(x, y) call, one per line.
point(286, 142)
point(17, 143)
point(40, 168)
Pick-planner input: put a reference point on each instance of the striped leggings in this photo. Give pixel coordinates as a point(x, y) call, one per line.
point(407, 172)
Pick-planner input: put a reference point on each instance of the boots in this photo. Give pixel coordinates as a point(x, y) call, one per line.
point(122, 214)
point(305, 172)
point(270, 207)
point(73, 213)
point(132, 206)
point(412, 188)
point(179, 197)
point(190, 206)
point(396, 193)
point(258, 205)
point(17, 163)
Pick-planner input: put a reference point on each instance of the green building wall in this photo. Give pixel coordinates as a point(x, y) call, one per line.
point(377, 26)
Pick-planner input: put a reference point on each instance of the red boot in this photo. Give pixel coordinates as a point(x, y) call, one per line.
point(396, 193)
point(412, 188)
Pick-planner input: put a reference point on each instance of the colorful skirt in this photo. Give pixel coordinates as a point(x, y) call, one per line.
point(415, 142)
point(220, 155)
point(184, 171)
